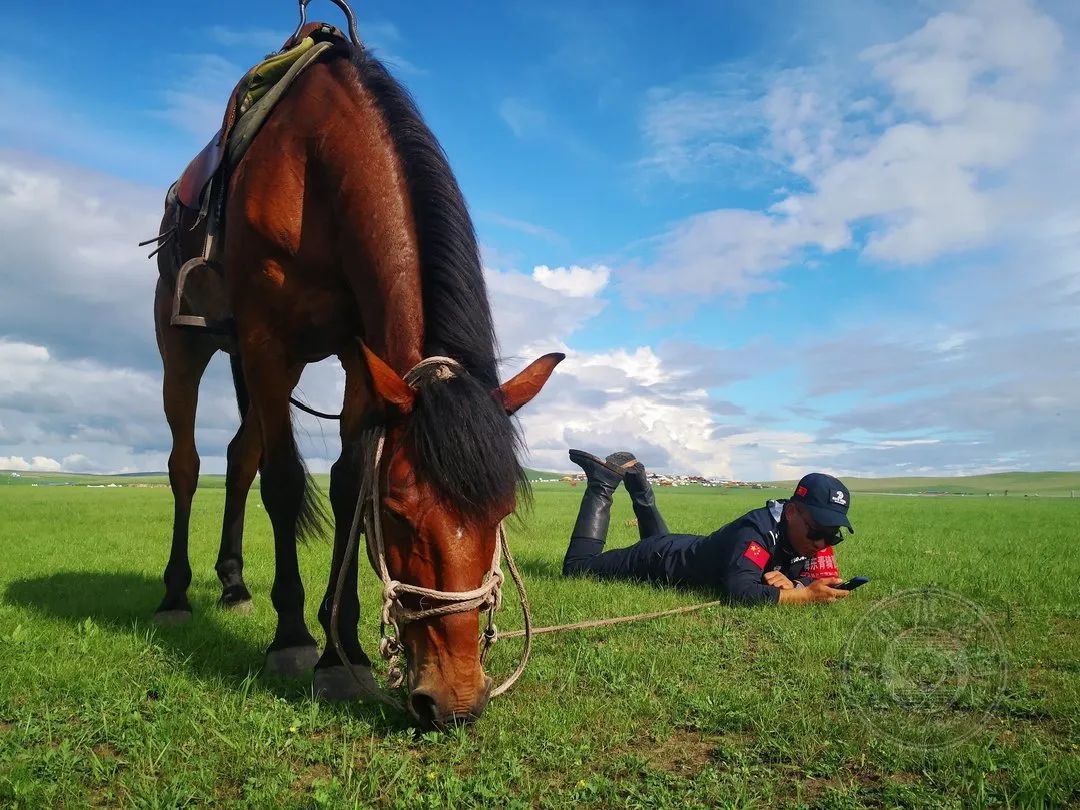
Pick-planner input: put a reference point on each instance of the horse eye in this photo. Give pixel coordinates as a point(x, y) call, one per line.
point(396, 510)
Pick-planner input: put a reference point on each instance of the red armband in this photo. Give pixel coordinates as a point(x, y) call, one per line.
point(823, 565)
point(757, 554)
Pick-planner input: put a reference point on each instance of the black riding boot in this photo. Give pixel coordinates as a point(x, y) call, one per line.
point(650, 522)
point(590, 531)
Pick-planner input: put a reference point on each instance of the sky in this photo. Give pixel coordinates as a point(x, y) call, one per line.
point(771, 237)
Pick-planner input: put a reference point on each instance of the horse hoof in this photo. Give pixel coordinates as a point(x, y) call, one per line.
point(241, 606)
point(290, 662)
point(336, 684)
point(172, 618)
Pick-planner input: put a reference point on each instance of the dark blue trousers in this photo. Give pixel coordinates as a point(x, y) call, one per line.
point(654, 558)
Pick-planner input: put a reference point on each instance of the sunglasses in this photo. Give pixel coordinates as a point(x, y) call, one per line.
point(832, 535)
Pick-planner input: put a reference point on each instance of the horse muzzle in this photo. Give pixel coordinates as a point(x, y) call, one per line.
point(441, 708)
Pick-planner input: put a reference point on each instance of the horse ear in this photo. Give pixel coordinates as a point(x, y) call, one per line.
point(521, 388)
point(388, 384)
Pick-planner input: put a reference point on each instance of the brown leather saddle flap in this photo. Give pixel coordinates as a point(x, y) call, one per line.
point(190, 187)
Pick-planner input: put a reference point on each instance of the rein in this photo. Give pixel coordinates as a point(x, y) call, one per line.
point(394, 613)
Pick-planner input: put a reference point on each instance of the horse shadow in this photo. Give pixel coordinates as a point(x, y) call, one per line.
point(206, 646)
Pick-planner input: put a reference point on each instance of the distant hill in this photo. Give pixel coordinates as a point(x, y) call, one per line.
point(81, 479)
point(535, 475)
point(1045, 484)
point(21, 477)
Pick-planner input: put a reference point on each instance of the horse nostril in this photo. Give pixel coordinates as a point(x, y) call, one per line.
point(423, 706)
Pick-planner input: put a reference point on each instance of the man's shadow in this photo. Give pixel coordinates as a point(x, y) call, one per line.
point(120, 602)
point(536, 568)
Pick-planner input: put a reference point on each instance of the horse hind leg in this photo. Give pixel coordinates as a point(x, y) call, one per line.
point(184, 365)
point(243, 462)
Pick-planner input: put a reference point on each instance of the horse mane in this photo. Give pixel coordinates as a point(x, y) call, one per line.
point(463, 440)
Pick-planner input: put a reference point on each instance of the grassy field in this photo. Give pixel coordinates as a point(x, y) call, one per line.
point(728, 707)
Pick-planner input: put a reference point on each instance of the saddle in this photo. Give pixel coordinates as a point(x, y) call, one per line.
point(198, 196)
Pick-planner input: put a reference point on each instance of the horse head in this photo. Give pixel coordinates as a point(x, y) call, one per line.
point(447, 478)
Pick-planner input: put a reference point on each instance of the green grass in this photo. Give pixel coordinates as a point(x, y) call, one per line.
point(731, 707)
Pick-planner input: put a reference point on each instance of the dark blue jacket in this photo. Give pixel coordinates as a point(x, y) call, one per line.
point(735, 557)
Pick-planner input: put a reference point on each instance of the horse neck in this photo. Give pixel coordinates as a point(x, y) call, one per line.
point(387, 284)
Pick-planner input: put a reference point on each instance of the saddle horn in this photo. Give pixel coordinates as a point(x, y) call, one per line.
point(353, 35)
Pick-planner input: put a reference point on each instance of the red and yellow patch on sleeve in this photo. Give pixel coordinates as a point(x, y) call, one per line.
point(757, 554)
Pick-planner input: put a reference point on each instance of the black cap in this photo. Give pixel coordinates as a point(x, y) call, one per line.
point(825, 498)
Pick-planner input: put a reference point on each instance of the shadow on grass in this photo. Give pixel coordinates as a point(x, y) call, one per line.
point(120, 602)
point(539, 569)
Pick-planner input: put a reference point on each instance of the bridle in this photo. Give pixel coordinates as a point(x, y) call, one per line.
point(395, 614)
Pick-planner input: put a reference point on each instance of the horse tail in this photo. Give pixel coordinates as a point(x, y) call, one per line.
point(313, 520)
point(243, 400)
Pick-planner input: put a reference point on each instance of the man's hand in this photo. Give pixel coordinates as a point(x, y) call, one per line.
point(819, 590)
point(778, 580)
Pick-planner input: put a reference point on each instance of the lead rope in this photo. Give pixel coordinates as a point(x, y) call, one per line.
point(346, 560)
point(487, 596)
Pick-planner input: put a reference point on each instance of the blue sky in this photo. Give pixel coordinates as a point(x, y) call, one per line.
point(771, 237)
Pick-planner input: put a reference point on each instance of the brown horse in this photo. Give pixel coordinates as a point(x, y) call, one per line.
point(345, 224)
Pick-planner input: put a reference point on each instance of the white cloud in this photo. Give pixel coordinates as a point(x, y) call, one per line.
point(959, 135)
point(529, 228)
point(195, 103)
point(266, 40)
point(620, 398)
point(524, 119)
point(73, 277)
point(574, 281)
point(531, 317)
point(732, 251)
point(35, 464)
point(691, 131)
point(616, 400)
point(923, 160)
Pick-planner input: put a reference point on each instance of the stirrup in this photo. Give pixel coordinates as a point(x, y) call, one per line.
point(202, 292)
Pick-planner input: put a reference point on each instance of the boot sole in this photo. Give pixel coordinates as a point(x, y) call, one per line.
point(581, 454)
point(633, 464)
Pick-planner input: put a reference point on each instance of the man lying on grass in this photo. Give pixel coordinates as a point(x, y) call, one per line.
point(779, 553)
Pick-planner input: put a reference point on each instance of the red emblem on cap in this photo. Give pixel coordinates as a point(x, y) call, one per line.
point(801, 492)
point(757, 555)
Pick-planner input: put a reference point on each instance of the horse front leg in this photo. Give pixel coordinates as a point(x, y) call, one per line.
point(333, 680)
point(243, 462)
point(289, 502)
point(184, 366)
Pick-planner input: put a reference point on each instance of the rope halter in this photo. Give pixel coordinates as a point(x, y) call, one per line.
point(395, 614)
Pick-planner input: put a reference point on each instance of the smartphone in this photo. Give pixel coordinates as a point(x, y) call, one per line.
point(851, 584)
